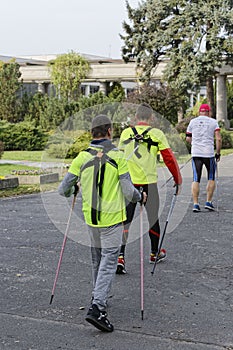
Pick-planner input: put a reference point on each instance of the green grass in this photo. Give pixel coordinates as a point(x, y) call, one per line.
point(225, 152)
point(32, 156)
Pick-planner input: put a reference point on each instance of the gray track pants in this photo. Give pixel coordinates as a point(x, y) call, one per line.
point(105, 244)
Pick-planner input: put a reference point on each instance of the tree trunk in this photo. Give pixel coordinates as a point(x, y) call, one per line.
point(210, 95)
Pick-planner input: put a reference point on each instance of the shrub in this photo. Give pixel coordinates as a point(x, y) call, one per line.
point(1, 149)
point(66, 146)
point(227, 141)
point(80, 144)
point(183, 124)
point(23, 136)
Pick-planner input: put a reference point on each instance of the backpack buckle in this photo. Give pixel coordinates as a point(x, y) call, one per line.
point(138, 137)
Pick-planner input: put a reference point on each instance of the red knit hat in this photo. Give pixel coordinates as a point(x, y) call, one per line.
point(204, 108)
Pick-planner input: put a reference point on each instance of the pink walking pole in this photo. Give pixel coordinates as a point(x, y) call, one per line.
point(141, 260)
point(62, 248)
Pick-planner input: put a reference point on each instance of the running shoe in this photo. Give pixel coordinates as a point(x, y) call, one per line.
point(196, 208)
point(99, 319)
point(121, 265)
point(162, 255)
point(209, 206)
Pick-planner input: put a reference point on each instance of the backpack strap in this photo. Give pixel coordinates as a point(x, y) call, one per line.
point(99, 166)
point(141, 138)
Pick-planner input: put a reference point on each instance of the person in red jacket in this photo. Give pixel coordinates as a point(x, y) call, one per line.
point(141, 145)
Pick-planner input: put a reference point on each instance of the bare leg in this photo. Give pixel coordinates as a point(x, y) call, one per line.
point(195, 192)
point(210, 190)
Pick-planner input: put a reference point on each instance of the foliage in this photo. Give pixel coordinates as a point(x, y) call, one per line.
point(161, 98)
point(9, 86)
point(227, 141)
point(47, 112)
point(193, 36)
point(22, 136)
point(69, 144)
point(80, 144)
point(1, 149)
point(178, 144)
point(230, 101)
point(67, 72)
point(181, 127)
point(85, 102)
point(117, 93)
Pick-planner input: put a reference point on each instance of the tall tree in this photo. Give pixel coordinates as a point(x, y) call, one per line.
point(67, 72)
point(194, 36)
point(9, 87)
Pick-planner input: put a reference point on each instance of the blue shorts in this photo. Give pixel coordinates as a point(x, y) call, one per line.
point(197, 164)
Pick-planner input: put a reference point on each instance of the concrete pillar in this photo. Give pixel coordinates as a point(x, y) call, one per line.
point(221, 100)
point(41, 88)
point(87, 90)
point(103, 87)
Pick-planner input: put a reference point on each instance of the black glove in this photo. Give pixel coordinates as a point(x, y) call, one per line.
point(178, 189)
point(76, 189)
point(141, 200)
point(217, 156)
point(141, 192)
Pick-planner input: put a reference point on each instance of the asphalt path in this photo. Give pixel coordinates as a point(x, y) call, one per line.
point(188, 302)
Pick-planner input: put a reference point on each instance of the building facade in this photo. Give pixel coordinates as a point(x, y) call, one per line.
point(104, 72)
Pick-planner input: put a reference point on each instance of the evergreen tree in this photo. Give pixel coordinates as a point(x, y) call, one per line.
point(194, 36)
point(9, 87)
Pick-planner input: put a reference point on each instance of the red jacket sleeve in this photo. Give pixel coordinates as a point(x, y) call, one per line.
point(171, 162)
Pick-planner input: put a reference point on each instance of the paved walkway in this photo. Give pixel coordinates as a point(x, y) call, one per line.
point(188, 302)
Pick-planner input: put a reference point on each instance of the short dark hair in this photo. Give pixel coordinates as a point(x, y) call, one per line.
point(100, 125)
point(144, 111)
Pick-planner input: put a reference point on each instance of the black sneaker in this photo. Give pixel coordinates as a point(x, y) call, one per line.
point(98, 319)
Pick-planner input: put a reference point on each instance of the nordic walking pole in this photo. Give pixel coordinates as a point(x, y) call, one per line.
point(217, 185)
point(141, 257)
point(63, 247)
point(165, 228)
point(171, 177)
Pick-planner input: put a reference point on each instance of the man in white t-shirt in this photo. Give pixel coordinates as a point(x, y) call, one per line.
point(201, 133)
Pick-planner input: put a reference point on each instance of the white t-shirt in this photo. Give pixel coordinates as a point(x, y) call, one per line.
point(202, 130)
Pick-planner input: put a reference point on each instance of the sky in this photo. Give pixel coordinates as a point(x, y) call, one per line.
point(30, 27)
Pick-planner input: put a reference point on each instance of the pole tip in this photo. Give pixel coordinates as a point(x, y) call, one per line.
point(142, 314)
point(51, 300)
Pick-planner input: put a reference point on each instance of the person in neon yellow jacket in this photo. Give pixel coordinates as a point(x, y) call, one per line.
point(141, 145)
point(102, 172)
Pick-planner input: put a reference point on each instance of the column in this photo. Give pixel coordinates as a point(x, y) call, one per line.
point(41, 88)
point(103, 87)
point(221, 100)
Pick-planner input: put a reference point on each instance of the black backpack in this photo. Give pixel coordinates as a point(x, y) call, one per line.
point(99, 165)
point(139, 138)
